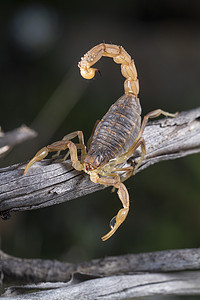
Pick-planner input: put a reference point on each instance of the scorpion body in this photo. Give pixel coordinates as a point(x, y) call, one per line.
point(116, 132)
point(115, 138)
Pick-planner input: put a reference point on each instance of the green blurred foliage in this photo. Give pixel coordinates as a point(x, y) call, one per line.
point(165, 43)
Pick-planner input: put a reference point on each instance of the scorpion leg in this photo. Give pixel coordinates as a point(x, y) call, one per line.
point(57, 146)
point(42, 153)
point(140, 142)
point(81, 144)
point(121, 159)
point(123, 196)
point(60, 146)
point(127, 172)
point(151, 115)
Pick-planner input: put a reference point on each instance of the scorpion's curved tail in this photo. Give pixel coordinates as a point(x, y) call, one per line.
point(120, 56)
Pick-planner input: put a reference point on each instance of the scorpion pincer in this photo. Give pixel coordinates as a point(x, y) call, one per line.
point(115, 138)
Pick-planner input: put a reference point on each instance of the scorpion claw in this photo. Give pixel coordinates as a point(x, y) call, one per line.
point(116, 222)
point(39, 156)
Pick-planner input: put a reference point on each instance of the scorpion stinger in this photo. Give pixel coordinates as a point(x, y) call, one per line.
point(114, 138)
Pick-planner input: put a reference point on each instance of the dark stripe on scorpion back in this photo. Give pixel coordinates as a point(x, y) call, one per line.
point(118, 128)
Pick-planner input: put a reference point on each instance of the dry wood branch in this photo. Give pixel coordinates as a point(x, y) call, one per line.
point(50, 182)
point(11, 138)
point(37, 270)
point(117, 287)
point(121, 277)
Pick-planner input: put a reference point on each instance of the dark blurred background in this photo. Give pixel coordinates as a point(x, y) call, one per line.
point(41, 44)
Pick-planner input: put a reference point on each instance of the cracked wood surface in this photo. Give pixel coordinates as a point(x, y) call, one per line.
point(117, 287)
point(51, 182)
point(24, 270)
point(169, 272)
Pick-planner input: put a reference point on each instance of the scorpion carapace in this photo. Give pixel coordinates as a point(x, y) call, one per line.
point(115, 138)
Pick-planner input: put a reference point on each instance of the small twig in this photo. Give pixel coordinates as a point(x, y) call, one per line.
point(50, 182)
point(11, 138)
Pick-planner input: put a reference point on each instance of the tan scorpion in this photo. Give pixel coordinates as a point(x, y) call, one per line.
point(115, 137)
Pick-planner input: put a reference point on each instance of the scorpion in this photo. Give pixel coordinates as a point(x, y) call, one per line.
point(114, 138)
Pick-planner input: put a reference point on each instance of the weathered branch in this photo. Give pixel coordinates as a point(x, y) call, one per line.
point(38, 270)
point(50, 182)
point(113, 288)
point(134, 275)
point(11, 138)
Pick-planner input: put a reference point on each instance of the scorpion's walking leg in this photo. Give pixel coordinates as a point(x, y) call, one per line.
point(81, 144)
point(124, 197)
point(140, 140)
point(60, 146)
point(131, 170)
point(127, 172)
point(151, 115)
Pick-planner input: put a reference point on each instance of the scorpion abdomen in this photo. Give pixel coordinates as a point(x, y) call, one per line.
point(116, 131)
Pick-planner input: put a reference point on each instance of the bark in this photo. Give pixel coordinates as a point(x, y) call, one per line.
point(170, 272)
